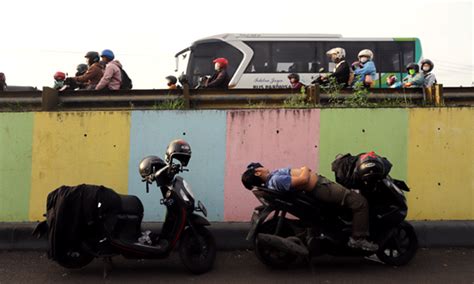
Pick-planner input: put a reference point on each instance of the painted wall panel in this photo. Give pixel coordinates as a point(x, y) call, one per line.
point(276, 138)
point(359, 130)
point(71, 148)
point(16, 131)
point(441, 163)
point(205, 131)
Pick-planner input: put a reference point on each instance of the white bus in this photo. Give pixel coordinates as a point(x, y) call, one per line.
point(265, 60)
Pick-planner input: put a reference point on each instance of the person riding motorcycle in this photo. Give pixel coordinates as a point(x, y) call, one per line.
point(341, 71)
point(220, 79)
point(93, 74)
point(295, 82)
point(414, 79)
point(364, 69)
point(303, 179)
point(59, 78)
point(172, 82)
point(427, 66)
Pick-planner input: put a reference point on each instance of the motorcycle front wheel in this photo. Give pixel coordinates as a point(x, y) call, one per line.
point(269, 256)
point(401, 247)
point(197, 250)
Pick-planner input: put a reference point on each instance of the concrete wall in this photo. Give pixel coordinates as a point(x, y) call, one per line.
point(431, 148)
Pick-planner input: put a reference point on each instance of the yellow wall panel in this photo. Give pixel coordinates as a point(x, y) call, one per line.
point(71, 148)
point(441, 164)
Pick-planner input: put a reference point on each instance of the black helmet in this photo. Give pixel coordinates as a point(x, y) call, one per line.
point(427, 61)
point(179, 150)
point(172, 79)
point(82, 68)
point(93, 56)
point(370, 168)
point(294, 75)
point(413, 66)
point(150, 165)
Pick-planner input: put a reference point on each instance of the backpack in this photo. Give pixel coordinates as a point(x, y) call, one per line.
point(126, 83)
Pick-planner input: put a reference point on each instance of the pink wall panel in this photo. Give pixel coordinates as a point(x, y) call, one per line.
point(276, 138)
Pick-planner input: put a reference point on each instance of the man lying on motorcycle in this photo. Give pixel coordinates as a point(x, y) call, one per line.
point(303, 179)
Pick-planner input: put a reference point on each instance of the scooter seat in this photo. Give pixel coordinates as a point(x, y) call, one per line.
point(131, 205)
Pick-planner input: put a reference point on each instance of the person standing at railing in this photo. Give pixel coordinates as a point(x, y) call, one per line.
point(3, 82)
point(364, 69)
point(112, 78)
point(429, 78)
point(414, 79)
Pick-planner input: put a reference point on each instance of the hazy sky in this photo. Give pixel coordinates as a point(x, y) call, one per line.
point(42, 37)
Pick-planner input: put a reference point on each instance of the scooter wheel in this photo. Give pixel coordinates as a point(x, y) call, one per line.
point(272, 257)
point(75, 259)
point(401, 248)
point(197, 250)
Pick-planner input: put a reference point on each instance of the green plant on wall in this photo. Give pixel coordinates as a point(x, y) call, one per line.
point(299, 100)
point(359, 97)
point(256, 104)
point(170, 104)
point(333, 89)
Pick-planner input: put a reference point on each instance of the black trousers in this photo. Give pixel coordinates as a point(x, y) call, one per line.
point(331, 192)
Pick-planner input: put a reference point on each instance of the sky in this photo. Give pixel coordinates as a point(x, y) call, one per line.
point(42, 37)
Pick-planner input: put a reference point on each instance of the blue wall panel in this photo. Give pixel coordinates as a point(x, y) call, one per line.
point(205, 131)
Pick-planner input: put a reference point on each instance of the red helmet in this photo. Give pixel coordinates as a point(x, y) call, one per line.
point(222, 61)
point(59, 76)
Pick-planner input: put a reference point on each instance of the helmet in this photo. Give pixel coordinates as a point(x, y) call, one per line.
point(179, 150)
point(81, 68)
point(93, 56)
point(366, 52)
point(370, 168)
point(338, 51)
point(413, 66)
point(427, 61)
point(59, 76)
point(294, 75)
point(150, 165)
point(107, 53)
point(222, 61)
point(392, 79)
point(172, 79)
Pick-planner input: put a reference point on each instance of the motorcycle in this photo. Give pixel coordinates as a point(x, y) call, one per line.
point(120, 233)
point(316, 228)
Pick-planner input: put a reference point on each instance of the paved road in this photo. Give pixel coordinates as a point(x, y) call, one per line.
point(429, 266)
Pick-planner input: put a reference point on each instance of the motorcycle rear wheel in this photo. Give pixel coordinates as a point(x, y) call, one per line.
point(197, 251)
point(401, 248)
point(272, 257)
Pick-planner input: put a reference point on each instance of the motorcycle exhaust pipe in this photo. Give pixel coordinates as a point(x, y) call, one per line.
point(291, 245)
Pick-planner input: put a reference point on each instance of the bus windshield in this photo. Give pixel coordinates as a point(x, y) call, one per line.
point(202, 55)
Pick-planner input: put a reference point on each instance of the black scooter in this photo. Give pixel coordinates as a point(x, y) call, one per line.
point(325, 229)
point(121, 234)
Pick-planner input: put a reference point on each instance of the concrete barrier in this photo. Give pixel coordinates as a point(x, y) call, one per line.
point(431, 148)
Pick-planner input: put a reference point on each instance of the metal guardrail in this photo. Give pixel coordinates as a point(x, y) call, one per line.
point(50, 100)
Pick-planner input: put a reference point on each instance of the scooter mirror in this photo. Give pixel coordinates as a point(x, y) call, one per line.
point(321, 70)
point(147, 187)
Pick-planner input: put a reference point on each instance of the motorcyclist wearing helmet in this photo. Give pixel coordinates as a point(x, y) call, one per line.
point(59, 78)
point(3, 82)
point(414, 79)
point(303, 179)
point(342, 70)
point(295, 82)
point(430, 78)
point(112, 78)
point(364, 69)
point(94, 72)
point(220, 79)
point(172, 82)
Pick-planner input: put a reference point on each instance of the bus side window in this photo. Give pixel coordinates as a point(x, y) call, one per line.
point(408, 52)
point(261, 57)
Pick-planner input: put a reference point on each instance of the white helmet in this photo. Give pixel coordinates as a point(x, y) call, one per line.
point(338, 51)
point(366, 52)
